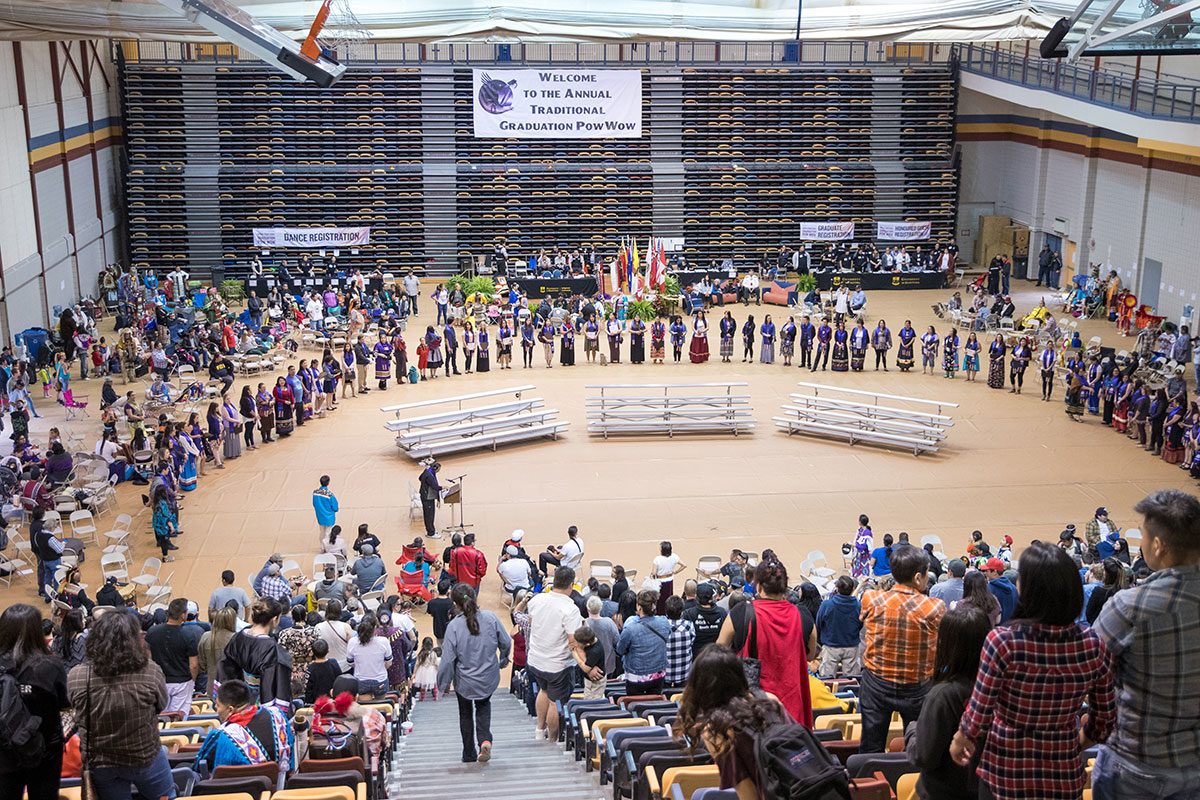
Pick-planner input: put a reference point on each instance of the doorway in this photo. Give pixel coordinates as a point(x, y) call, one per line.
point(1149, 286)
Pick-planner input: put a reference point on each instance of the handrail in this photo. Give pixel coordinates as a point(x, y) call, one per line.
point(1144, 97)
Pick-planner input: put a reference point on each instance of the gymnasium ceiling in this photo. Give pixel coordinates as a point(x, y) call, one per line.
point(555, 20)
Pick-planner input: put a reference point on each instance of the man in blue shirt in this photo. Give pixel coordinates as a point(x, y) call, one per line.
point(1001, 587)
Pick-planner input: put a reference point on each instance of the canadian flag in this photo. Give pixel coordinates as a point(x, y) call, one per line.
point(657, 272)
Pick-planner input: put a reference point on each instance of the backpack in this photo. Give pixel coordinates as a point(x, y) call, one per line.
point(21, 739)
point(792, 765)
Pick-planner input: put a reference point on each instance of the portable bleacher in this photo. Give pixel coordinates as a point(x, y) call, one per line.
point(860, 416)
point(458, 423)
point(670, 408)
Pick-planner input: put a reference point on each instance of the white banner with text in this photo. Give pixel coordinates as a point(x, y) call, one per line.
point(558, 103)
point(901, 231)
point(270, 238)
point(826, 231)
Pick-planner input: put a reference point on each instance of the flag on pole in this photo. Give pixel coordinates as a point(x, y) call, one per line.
point(612, 276)
point(634, 264)
point(662, 266)
point(652, 263)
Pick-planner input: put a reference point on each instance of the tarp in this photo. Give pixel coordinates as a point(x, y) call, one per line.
point(553, 20)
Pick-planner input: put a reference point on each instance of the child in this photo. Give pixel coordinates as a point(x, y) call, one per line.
point(927, 741)
point(20, 420)
point(97, 361)
point(590, 656)
point(425, 676)
point(322, 672)
point(43, 375)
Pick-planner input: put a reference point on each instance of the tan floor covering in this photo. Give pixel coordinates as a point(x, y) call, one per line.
point(1011, 465)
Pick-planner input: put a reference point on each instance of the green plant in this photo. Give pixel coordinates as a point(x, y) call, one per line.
point(481, 285)
point(641, 309)
point(806, 283)
point(671, 285)
point(233, 291)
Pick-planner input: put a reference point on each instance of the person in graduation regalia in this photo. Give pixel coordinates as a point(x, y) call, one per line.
point(483, 358)
point(859, 339)
point(728, 329)
point(546, 337)
point(996, 355)
point(566, 354)
point(658, 341)
point(1021, 355)
point(840, 358)
point(698, 351)
point(806, 335)
point(904, 354)
point(613, 329)
point(950, 353)
point(678, 333)
point(767, 353)
point(637, 341)
point(383, 361)
point(824, 341)
point(881, 341)
point(787, 341)
point(929, 350)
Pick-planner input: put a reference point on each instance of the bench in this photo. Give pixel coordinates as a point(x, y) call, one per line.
point(458, 426)
point(516, 391)
point(489, 438)
point(855, 435)
point(465, 415)
point(896, 426)
point(817, 388)
point(879, 412)
point(670, 408)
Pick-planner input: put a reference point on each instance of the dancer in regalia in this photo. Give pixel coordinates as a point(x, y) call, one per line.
point(728, 331)
point(698, 351)
point(859, 339)
point(904, 354)
point(841, 354)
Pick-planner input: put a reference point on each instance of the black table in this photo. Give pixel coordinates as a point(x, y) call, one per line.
point(299, 284)
point(556, 287)
point(874, 281)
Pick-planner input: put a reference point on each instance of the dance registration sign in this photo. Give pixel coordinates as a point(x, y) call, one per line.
point(558, 103)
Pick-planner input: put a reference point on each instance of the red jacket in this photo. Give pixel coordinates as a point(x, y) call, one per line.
point(468, 565)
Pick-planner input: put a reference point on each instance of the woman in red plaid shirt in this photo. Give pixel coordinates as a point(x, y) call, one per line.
point(1034, 677)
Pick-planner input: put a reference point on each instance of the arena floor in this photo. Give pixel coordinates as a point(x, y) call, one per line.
point(1011, 465)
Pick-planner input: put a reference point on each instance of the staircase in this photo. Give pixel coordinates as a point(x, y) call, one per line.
point(428, 760)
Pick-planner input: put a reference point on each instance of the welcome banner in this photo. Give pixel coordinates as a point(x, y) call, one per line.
point(269, 238)
point(558, 103)
point(826, 231)
point(902, 231)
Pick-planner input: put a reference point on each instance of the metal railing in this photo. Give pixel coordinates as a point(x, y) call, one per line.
point(812, 54)
point(1145, 97)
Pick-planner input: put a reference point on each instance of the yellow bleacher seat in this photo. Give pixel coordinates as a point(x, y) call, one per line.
point(690, 779)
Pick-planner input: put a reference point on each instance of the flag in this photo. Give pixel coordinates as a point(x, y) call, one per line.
point(634, 265)
point(612, 276)
point(652, 263)
point(622, 263)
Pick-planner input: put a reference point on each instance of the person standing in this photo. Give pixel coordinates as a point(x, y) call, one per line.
point(679, 644)
point(553, 619)
point(325, 506)
point(881, 342)
point(706, 617)
point(1035, 675)
point(175, 652)
point(451, 340)
point(476, 648)
point(412, 290)
point(900, 632)
point(118, 693)
point(824, 338)
point(839, 630)
point(467, 563)
point(48, 548)
point(1001, 588)
point(431, 495)
point(42, 684)
point(1149, 632)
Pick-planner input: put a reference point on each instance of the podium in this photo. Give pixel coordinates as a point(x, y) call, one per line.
point(452, 495)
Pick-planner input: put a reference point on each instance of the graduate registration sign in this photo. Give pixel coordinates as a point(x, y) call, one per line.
point(558, 103)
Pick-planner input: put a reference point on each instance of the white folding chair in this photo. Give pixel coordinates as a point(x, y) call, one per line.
point(65, 503)
point(708, 567)
point(1133, 536)
point(751, 558)
point(321, 562)
point(13, 568)
point(123, 522)
point(151, 568)
point(938, 548)
point(83, 525)
point(114, 565)
point(118, 542)
point(601, 570)
point(415, 508)
point(820, 565)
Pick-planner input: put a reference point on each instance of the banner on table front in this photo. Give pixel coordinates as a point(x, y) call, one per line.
point(901, 231)
point(826, 231)
point(268, 238)
point(558, 103)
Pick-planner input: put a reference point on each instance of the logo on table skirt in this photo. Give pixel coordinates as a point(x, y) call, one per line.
point(895, 280)
point(837, 279)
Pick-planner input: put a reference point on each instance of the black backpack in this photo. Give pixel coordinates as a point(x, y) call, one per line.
point(792, 765)
point(21, 739)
